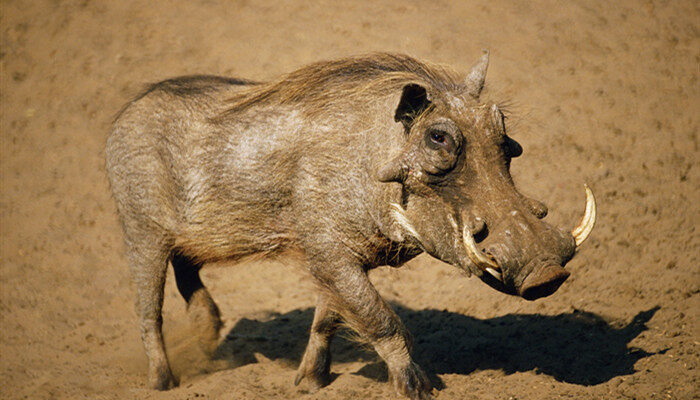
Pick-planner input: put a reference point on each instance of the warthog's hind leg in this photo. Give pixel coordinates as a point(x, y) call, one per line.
point(203, 313)
point(148, 260)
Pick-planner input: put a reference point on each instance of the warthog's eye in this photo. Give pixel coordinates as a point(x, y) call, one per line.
point(437, 139)
point(440, 149)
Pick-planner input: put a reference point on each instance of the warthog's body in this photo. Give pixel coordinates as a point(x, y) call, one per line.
point(323, 162)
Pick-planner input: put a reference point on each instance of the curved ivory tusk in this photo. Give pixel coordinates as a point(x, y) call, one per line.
point(495, 274)
point(479, 258)
point(585, 227)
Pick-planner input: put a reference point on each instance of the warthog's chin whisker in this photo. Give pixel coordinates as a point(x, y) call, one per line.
point(585, 227)
point(479, 258)
point(401, 218)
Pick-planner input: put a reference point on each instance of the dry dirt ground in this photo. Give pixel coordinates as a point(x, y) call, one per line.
point(602, 92)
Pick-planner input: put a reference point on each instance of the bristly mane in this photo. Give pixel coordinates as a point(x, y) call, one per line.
point(319, 83)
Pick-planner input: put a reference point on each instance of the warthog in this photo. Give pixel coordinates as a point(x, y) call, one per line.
point(353, 163)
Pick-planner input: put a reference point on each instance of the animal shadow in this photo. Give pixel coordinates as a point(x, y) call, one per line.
point(579, 347)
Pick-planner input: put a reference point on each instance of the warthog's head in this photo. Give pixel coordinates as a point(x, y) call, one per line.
point(459, 199)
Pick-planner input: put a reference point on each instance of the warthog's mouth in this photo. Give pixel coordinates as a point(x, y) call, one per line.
point(543, 280)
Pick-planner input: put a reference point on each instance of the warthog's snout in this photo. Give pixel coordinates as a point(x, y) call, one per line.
point(526, 257)
point(543, 281)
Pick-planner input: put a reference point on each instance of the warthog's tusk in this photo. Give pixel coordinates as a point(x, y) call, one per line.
point(584, 228)
point(479, 258)
point(495, 273)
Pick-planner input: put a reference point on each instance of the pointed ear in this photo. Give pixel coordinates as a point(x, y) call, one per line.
point(414, 100)
point(477, 76)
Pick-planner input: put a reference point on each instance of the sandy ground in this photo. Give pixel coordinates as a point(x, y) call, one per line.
point(603, 92)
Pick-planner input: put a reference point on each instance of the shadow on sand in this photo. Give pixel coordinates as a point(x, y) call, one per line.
point(579, 347)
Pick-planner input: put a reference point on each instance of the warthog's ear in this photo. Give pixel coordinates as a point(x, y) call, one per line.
point(414, 100)
point(477, 76)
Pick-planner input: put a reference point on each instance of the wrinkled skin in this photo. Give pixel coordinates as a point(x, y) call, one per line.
point(350, 164)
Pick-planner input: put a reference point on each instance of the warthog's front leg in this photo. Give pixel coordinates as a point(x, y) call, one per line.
point(315, 365)
point(353, 296)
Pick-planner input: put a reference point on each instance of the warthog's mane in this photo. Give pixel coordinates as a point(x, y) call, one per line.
point(317, 85)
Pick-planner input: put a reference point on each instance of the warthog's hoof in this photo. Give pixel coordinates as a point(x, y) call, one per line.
point(162, 380)
point(314, 368)
point(412, 382)
point(314, 379)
